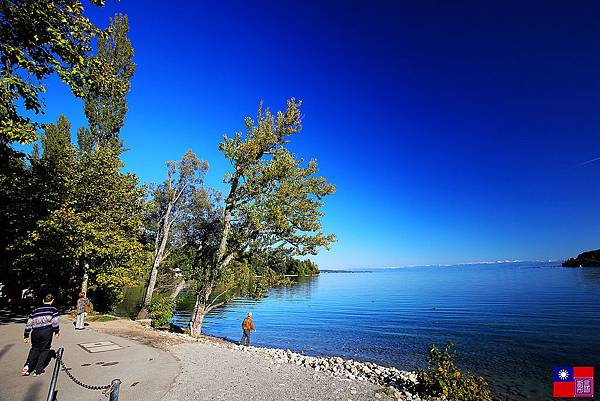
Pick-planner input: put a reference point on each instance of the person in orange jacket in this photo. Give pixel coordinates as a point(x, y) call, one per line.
point(247, 327)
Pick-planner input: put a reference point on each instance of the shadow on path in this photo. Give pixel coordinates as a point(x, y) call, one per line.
point(5, 349)
point(33, 392)
point(7, 317)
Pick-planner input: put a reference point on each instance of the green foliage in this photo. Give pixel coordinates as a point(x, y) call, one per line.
point(89, 219)
point(71, 211)
point(269, 279)
point(161, 311)
point(386, 390)
point(38, 38)
point(443, 377)
point(18, 214)
point(273, 206)
point(300, 268)
point(174, 203)
point(110, 80)
point(101, 318)
point(275, 197)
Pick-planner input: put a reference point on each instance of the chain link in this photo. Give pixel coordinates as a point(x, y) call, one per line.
point(106, 389)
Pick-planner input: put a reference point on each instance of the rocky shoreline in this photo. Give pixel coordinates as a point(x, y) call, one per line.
point(393, 384)
point(402, 385)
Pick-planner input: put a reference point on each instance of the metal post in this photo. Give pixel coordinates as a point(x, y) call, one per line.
point(116, 388)
point(53, 381)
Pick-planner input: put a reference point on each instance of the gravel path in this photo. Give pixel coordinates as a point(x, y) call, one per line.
point(213, 372)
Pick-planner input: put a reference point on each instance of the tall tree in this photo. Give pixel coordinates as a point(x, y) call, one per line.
point(18, 193)
point(171, 204)
point(38, 38)
point(105, 99)
point(274, 198)
point(92, 220)
point(50, 174)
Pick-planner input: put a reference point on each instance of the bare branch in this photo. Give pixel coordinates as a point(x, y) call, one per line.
point(220, 295)
point(211, 307)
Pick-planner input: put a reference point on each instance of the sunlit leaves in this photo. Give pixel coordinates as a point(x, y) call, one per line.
point(94, 214)
point(278, 196)
point(109, 75)
point(38, 38)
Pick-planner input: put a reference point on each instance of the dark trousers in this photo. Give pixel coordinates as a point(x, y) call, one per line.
point(245, 338)
point(39, 354)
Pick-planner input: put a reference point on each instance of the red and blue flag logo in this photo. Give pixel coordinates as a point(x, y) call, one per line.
point(574, 381)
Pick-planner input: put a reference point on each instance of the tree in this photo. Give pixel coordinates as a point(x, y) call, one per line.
point(93, 221)
point(18, 193)
point(38, 38)
point(105, 102)
point(273, 203)
point(42, 189)
point(107, 214)
point(171, 204)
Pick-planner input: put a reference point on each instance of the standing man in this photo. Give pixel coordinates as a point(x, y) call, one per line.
point(41, 324)
point(82, 304)
point(247, 327)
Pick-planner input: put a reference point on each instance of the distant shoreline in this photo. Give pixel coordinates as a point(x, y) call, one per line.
point(345, 271)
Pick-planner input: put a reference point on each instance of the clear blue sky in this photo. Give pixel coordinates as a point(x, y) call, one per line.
point(454, 131)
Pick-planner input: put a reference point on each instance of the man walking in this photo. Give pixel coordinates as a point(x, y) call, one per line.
point(247, 327)
point(41, 324)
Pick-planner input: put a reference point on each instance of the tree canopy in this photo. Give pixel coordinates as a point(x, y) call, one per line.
point(73, 219)
point(39, 38)
point(274, 199)
point(109, 81)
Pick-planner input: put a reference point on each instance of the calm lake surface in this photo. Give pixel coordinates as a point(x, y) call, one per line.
point(510, 322)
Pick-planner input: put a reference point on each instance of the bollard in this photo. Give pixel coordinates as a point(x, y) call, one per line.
point(116, 387)
point(53, 381)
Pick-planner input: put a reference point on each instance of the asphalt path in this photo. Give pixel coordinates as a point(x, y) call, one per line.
point(94, 358)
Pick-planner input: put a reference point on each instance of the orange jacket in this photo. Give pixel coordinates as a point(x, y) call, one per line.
point(248, 324)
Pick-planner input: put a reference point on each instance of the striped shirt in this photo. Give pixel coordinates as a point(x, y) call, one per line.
point(42, 317)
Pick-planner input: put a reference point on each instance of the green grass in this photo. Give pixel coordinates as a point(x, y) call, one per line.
point(101, 318)
point(386, 390)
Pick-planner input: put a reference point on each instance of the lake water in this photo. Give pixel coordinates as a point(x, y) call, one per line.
point(510, 322)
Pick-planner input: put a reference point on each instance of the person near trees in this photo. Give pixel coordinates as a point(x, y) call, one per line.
point(83, 307)
point(247, 327)
point(42, 323)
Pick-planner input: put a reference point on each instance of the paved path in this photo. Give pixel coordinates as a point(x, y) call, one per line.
point(147, 373)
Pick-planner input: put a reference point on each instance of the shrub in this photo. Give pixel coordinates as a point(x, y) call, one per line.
point(101, 318)
point(161, 312)
point(443, 377)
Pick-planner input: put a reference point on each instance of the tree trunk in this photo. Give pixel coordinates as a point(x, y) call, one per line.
point(162, 237)
point(151, 283)
point(229, 206)
point(84, 282)
point(180, 286)
point(200, 310)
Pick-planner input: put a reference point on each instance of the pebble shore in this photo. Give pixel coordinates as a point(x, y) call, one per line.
point(400, 384)
point(216, 369)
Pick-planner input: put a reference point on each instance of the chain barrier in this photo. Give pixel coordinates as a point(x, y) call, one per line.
point(106, 390)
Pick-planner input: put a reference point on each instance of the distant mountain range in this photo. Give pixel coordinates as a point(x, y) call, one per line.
point(586, 259)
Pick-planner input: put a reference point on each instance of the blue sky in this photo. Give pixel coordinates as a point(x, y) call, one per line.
point(454, 132)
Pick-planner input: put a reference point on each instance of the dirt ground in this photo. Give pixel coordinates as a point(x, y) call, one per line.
point(146, 335)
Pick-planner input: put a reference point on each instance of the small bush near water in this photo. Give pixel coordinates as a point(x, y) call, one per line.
point(101, 318)
point(443, 377)
point(161, 312)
